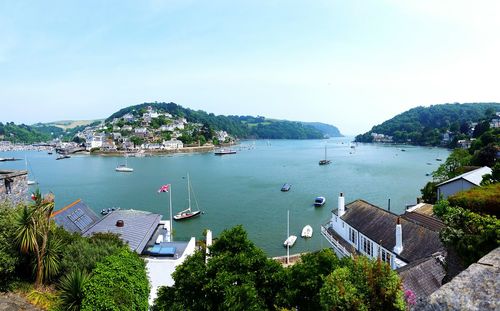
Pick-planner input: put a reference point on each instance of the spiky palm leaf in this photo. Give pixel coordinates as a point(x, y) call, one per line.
point(26, 235)
point(71, 286)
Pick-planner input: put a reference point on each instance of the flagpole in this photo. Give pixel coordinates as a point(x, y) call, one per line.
point(171, 224)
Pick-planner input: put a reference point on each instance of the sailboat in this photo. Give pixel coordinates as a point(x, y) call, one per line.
point(124, 168)
point(325, 161)
point(188, 213)
point(29, 182)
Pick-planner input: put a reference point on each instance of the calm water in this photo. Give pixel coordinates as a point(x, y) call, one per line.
point(243, 188)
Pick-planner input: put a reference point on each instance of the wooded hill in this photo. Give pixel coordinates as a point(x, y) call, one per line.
point(239, 126)
point(425, 125)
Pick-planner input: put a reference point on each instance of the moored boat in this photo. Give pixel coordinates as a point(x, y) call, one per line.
point(307, 231)
point(325, 161)
point(188, 213)
point(286, 187)
point(124, 168)
point(64, 156)
point(319, 201)
point(290, 241)
point(224, 151)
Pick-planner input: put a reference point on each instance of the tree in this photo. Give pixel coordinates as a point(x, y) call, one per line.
point(306, 278)
point(362, 284)
point(429, 192)
point(33, 236)
point(119, 282)
point(238, 276)
point(470, 234)
point(9, 256)
point(492, 178)
point(137, 141)
point(453, 165)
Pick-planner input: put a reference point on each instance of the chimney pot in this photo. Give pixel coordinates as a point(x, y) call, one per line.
point(120, 223)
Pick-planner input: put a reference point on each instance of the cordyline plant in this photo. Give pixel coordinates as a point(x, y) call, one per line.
point(33, 236)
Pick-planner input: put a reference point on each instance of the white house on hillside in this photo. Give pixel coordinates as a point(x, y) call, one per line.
point(462, 182)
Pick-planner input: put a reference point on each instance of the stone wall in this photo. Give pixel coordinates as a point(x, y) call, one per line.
point(13, 186)
point(476, 288)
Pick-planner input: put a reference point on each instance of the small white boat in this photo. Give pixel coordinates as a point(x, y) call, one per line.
point(124, 168)
point(307, 232)
point(290, 241)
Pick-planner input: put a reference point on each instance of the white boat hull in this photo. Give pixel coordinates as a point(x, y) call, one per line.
point(124, 169)
point(290, 241)
point(307, 232)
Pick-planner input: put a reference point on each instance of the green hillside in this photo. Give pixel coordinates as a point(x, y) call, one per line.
point(425, 125)
point(238, 126)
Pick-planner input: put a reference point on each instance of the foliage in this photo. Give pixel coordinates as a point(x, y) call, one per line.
point(84, 253)
point(22, 133)
point(429, 192)
point(119, 282)
point(238, 276)
point(482, 200)
point(71, 286)
point(44, 298)
point(34, 238)
point(424, 125)
point(137, 141)
point(492, 178)
point(362, 284)
point(470, 234)
point(9, 257)
point(453, 166)
point(237, 126)
point(306, 278)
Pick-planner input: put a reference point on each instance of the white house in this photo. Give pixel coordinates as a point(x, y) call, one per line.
point(172, 144)
point(127, 128)
point(363, 228)
point(221, 135)
point(95, 141)
point(141, 130)
point(462, 182)
point(168, 127)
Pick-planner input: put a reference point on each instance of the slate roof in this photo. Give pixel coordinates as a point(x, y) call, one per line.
point(475, 177)
point(76, 217)
point(429, 222)
point(423, 277)
point(379, 225)
point(138, 227)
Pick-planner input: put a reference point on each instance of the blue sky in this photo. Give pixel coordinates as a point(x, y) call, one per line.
point(351, 63)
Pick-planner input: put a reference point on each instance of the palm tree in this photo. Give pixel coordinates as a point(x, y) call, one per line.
point(33, 228)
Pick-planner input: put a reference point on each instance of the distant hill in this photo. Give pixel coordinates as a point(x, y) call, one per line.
point(425, 125)
point(70, 124)
point(327, 129)
point(238, 126)
point(22, 133)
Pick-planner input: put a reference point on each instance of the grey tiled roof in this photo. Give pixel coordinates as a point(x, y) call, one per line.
point(76, 217)
point(380, 226)
point(423, 277)
point(138, 227)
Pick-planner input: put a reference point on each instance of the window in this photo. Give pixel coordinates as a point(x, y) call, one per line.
point(367, 246)
point(385, 256)
point(352, 236)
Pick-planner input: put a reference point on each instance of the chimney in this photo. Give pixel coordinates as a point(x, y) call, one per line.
point(398, 248)
point(120, 223)
point(341, 207)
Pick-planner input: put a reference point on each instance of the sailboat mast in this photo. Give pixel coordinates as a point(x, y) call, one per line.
point(171, 222)
point(189, 194)
point(287, 236)
point(325, 152)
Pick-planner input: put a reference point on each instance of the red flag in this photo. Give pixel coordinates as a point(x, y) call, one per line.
point(164, 188)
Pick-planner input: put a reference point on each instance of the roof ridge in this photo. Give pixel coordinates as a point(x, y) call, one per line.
point(64, 208)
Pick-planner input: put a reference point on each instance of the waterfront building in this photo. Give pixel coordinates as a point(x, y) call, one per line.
point(13, 186)
point(172, 144)
point(462, 182)
point(409, 243)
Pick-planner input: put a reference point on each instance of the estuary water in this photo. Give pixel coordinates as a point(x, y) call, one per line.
point(243, 188)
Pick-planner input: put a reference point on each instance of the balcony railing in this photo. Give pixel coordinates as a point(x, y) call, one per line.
point(335, 243)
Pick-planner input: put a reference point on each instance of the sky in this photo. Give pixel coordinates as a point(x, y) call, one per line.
point(351, 63)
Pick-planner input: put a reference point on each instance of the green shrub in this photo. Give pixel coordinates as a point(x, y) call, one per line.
point(71, 286)
point(9, 256)
point(482, 200)
point(119, 282)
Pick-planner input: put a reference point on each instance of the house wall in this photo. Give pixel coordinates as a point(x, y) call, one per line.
point(453, 187)
point(342, 229)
